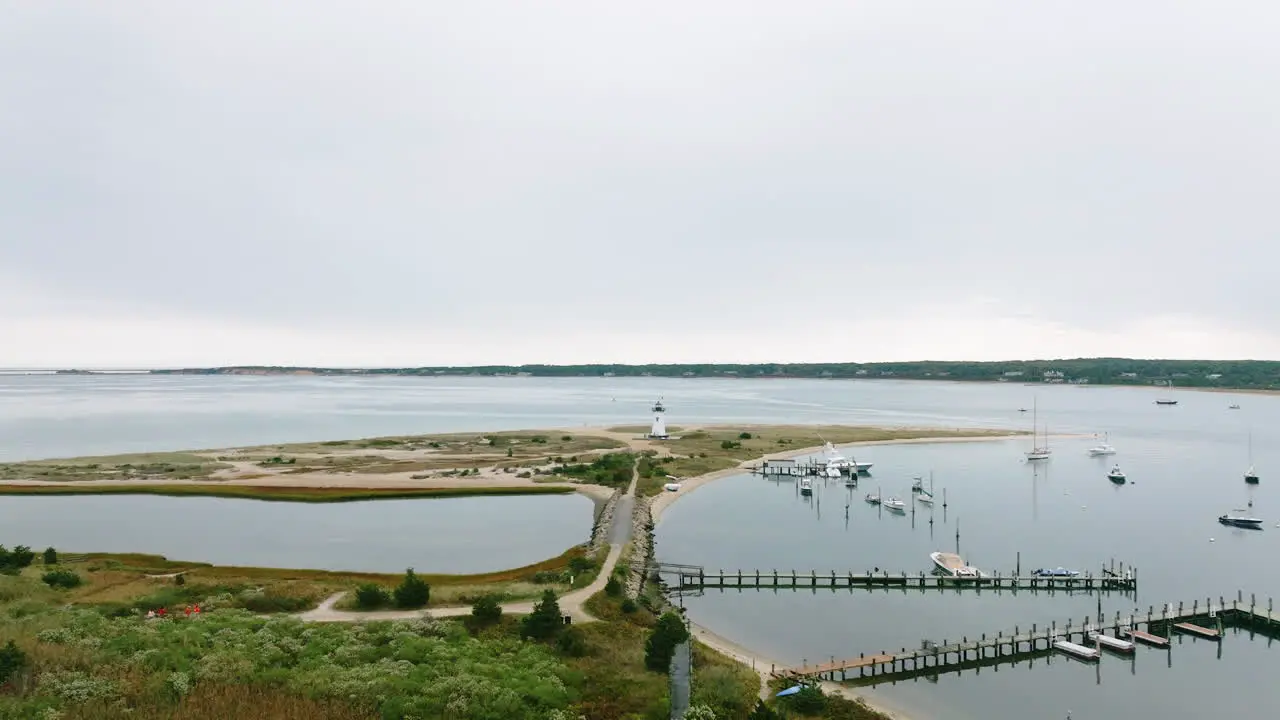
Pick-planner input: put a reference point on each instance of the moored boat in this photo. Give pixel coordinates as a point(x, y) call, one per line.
point(925, 497)
point(1103, 448)
point(806, 486)
point(894, 503)
point(873, 498)
point(1240, 521)
point(1116, 475)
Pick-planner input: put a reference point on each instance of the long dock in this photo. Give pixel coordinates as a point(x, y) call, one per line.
point(948, 656)
point(688, 578)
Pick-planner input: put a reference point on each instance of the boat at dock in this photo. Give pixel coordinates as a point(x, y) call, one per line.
point(806, 486)
point(841, 463)
point(1113, 644)
point(1055, 572)
point(851, 481)
point(1116, 476)
point(953, 565)
point(1239, 521)
point(1076, 650)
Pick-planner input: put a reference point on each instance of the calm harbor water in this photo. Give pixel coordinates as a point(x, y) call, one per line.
point(1184, 462)
point(446, 535)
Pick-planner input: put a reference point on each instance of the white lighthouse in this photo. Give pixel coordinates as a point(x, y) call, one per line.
point(659, 429)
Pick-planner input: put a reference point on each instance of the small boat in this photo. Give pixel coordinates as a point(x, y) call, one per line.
point(954, 566)
point(1116, 475)
point(671, 487)
point(1055, 572)
point(1233, 407)
point(1239, 521)
point(806, 486)
point(917, 484)
point(851, 481)
point(1166, 402)
point(873, 498)
point(895, 504)
point(925, 497)
point(1102, 448)
point(1022, 409)
point(1113, 644)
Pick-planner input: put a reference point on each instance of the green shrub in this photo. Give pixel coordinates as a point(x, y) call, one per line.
point(571, 642)
point(661, 646)
point(487, 610)
point(545, 620)
point(179, 579)
point(809, 701)
point(12, 659)
point(371, 597)
point(50, 556)
point(413, 591)
point(12, 561)
point(744, 436)
point(628, 606)
point(613, 588)
point(64, 579)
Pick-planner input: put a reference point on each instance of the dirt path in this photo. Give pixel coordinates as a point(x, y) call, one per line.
point(570, 603)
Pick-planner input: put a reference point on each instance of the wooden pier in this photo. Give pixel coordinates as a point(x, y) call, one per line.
point(932, 659)
point(685, 579)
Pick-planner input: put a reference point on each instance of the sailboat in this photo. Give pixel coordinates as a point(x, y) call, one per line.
point(1167, 401)
point(926, 496)
point(1037, 452)
point(1251, 475)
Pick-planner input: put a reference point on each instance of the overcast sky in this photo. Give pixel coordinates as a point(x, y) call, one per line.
point(430, 183)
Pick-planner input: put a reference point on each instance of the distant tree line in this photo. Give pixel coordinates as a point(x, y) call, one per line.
point(1249, 374)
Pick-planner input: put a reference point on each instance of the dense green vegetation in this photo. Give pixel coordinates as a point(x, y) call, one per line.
point(611, 470)
point(1253, 374)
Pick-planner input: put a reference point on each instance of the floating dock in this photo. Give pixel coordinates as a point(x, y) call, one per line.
point(933, 659)
point(1113, 644)
point(1148, 638)
point(1193, 629)
point(1080, 652)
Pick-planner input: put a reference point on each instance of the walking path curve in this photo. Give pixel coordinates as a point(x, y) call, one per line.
point(570, 603)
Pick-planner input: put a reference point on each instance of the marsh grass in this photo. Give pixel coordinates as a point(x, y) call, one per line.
point(280, 493)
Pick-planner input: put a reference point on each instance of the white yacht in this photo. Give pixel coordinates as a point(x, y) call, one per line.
point(842, 463)
point(953, 565)
point(1116, 475)
point(1102, 448)
point(894, 503)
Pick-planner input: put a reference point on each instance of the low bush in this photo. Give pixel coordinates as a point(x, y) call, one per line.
point(371, 597)
point(64, 579)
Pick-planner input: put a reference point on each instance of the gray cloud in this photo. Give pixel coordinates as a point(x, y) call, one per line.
point(451, 170)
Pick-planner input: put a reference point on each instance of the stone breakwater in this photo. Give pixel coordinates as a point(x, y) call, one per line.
point(604, 520)
point(641, 545)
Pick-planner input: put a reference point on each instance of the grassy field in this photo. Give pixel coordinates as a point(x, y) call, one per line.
point(426, 454)
point(280, 493)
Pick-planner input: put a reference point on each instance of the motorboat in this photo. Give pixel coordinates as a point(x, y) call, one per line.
point(1233, 407)
point(830, 472)
point(806, 486)
point(895, 504)
point(954, 566)
point(1102, 448)
point(1238, 521)
point(1055, 572)
point(1116, 475)
point(873, 498)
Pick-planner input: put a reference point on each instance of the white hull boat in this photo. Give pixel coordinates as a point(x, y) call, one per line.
point(1102, 448)
point(1116, 475)
point(953, 565)
point(895, 504)
point(806, 486)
